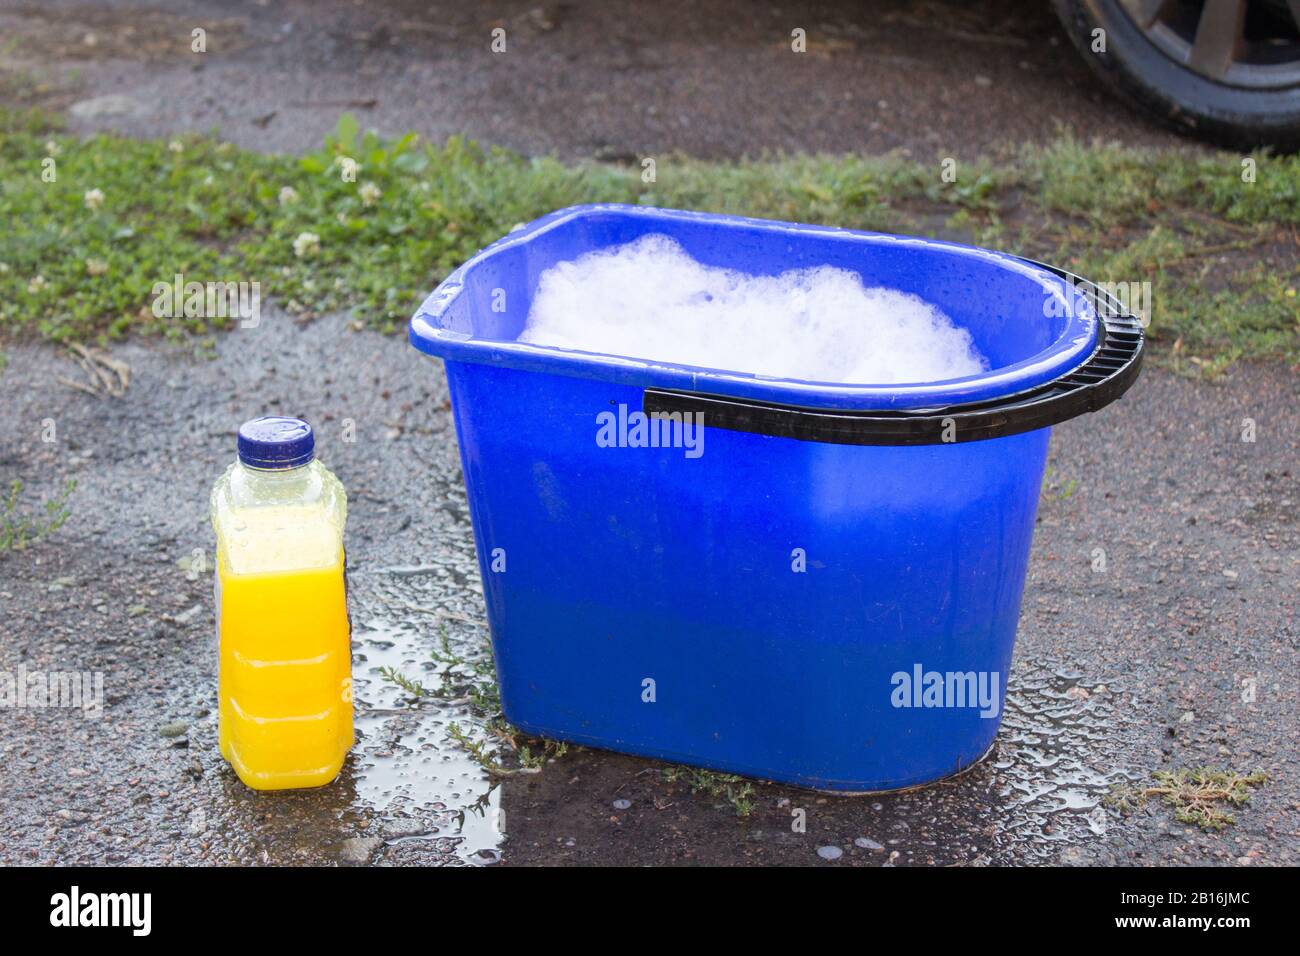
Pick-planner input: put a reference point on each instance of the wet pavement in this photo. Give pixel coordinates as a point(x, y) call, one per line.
point(613, 80)
point(1180, 653)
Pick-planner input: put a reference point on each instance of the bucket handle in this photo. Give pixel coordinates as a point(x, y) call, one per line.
point(1108, 373)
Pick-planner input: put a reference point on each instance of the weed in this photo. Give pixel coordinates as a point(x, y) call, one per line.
point(530, 760)
point(1055, 489)
point(473, 681)
point(483, 694)
point(393, 676)
point(18, 528)
point(478, 688)
point(1197, 796)
point(735, 790)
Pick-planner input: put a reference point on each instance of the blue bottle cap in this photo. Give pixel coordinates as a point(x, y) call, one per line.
point(275, 442)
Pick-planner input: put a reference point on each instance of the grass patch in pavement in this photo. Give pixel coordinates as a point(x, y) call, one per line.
point(80, 255)
point(22, 525)
point(1199, 796)
point(723, 787)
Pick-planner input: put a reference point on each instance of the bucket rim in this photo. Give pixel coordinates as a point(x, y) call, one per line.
point(1076, 343)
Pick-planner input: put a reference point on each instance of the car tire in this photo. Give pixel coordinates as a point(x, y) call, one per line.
point(1236, 116)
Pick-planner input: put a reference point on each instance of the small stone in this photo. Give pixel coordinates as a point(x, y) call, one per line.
point(186, 616)
point(1187, 718)
point(176, 728)
point(622, 804)
point(866, 843)
point(829, 852)
point(359, 849)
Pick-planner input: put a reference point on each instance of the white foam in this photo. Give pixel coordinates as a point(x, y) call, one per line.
point(650, 300)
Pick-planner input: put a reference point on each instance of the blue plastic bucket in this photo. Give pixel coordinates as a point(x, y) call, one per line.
point(821, 584)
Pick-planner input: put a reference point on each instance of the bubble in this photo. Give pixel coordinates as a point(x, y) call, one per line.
point(650, 300)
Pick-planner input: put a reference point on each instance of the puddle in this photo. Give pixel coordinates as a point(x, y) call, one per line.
point(1056, 759)
point(409, 772)
point(1060, 749)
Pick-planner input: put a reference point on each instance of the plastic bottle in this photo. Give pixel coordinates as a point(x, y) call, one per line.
point(285, 656)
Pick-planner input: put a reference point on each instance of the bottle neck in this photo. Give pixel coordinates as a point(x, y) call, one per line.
point(272, 475)
point(269, 486)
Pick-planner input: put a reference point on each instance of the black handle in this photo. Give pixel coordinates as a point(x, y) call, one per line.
point(1108, 373)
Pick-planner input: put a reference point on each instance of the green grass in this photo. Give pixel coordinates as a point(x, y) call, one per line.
point(726, 787)
point(1222, 255)
point(21, 526)
point(1055, 487)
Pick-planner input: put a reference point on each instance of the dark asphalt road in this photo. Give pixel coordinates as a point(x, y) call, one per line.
point(608, 79)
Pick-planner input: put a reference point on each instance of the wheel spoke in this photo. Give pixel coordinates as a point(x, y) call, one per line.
point(1218, 37)
point(1146, 12)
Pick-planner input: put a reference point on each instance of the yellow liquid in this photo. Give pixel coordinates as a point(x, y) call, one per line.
point(285, 686)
